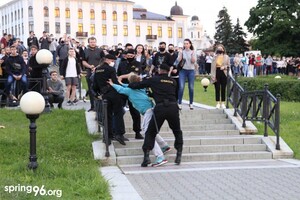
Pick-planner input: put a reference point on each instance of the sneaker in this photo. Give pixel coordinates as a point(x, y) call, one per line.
point(166, 149)
point(160, 160)
point(218, 106)
point(223, 106)
point(69, 103)
point(74, 102)
point(180, 106)
point(191, 107)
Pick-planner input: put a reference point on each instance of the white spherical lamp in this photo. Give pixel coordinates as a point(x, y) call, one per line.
point(277, 77)
point(44, 56)
point(205, 83)
point(32, 103)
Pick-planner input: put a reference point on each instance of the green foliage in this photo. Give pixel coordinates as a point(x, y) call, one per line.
point(287, 87)
point(276, 25)
point(64, 154)
point(224, 29)
point(239, 42)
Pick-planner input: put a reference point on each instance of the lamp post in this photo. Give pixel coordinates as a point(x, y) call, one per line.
point(205, 83)
point(32, 104)
point(44, 57)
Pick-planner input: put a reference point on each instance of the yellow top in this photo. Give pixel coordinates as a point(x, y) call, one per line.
point(219, 61)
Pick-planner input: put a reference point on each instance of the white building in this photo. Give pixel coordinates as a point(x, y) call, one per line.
point(111, 22)
point(198, 36)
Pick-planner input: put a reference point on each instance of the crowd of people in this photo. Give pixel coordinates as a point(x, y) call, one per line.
point(126, 76)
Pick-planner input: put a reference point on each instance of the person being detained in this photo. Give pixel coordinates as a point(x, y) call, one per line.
point(144, 105)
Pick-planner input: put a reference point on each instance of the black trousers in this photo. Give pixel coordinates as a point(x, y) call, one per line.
point(208, 68)
point(114, 109)
point(89, 83)
point(56, 99)
point(136, 118)
point(220, 84)
point(160, 114)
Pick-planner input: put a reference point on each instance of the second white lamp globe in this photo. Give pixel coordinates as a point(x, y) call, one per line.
point(44, 56)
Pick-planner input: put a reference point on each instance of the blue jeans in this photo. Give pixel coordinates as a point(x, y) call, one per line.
point(246, 70)
point(190, 75)
point(54, 57)
point(11, 80)
point(202, 68)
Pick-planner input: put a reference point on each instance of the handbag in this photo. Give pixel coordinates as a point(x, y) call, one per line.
point(181, 64)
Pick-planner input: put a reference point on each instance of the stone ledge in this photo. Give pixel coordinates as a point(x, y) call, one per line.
point(285, 151)
point(91, 123)
point(238, 121)
point(99, 153)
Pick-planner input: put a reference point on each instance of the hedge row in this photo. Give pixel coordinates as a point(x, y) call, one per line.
point(287, 87)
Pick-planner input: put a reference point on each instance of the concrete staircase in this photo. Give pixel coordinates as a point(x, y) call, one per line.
point(209, 135)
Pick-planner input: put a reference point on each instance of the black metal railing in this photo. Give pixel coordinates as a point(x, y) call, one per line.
point(33, 84)
point(259, 105)
point(101, 117)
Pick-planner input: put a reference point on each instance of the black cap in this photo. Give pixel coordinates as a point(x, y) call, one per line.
point(164, 67)
point(130, 51)
point(109, 56)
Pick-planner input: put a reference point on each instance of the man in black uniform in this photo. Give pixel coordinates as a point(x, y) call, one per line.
point(114, 102)
point(166, 108)
point(125, 67)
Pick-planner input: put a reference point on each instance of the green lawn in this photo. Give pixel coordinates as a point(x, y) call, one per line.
point(289, 115)
point(64, 154)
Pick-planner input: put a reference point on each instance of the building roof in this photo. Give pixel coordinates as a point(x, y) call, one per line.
point(143, 14)
point(176, 10)
point(195, 18)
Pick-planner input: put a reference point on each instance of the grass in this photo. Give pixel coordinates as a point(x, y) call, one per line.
point(64, 154)
point(289, 115)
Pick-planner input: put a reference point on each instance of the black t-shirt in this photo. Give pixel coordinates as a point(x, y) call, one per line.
point(93, 56)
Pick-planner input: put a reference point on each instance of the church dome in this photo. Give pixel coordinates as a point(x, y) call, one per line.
point(176, 10)
point(195, 18)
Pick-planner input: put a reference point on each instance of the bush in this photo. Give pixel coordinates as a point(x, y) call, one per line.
point(287, 87)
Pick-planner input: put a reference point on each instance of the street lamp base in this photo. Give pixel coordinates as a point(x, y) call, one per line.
point(32, 165)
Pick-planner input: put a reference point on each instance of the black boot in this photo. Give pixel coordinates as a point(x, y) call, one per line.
point(178, 157)
point(146, 160)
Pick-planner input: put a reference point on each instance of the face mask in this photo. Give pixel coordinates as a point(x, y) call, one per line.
point(130, 59)
point(171, 50)
point(220, 51)
point(161, 49)
point(112, 64)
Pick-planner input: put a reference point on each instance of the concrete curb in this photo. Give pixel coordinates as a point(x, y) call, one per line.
point(285, 151)
point(238, 121)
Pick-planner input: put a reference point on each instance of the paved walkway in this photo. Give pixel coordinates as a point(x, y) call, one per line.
point(260, 179)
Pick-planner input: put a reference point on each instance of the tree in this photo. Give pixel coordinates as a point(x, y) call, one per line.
point(223, 33)
point(276, 26)
point(239, 43)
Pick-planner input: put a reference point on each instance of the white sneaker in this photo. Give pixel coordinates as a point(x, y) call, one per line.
point(180, 106)
point(191, 107)
point(218, 106)
point(223, 106)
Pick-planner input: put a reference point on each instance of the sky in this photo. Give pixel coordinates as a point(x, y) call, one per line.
point(207, 10)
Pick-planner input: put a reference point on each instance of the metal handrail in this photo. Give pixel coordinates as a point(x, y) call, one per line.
point(259, 105)
point(101, 117)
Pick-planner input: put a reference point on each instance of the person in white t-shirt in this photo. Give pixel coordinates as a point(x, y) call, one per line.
point(71, 73)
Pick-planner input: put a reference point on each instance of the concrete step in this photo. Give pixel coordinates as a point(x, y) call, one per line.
point(186, 134)
point(203, 140)
point(183, 118)
point(193, 121)
point(199, 127)
point(199, 149)
point(198, 157)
